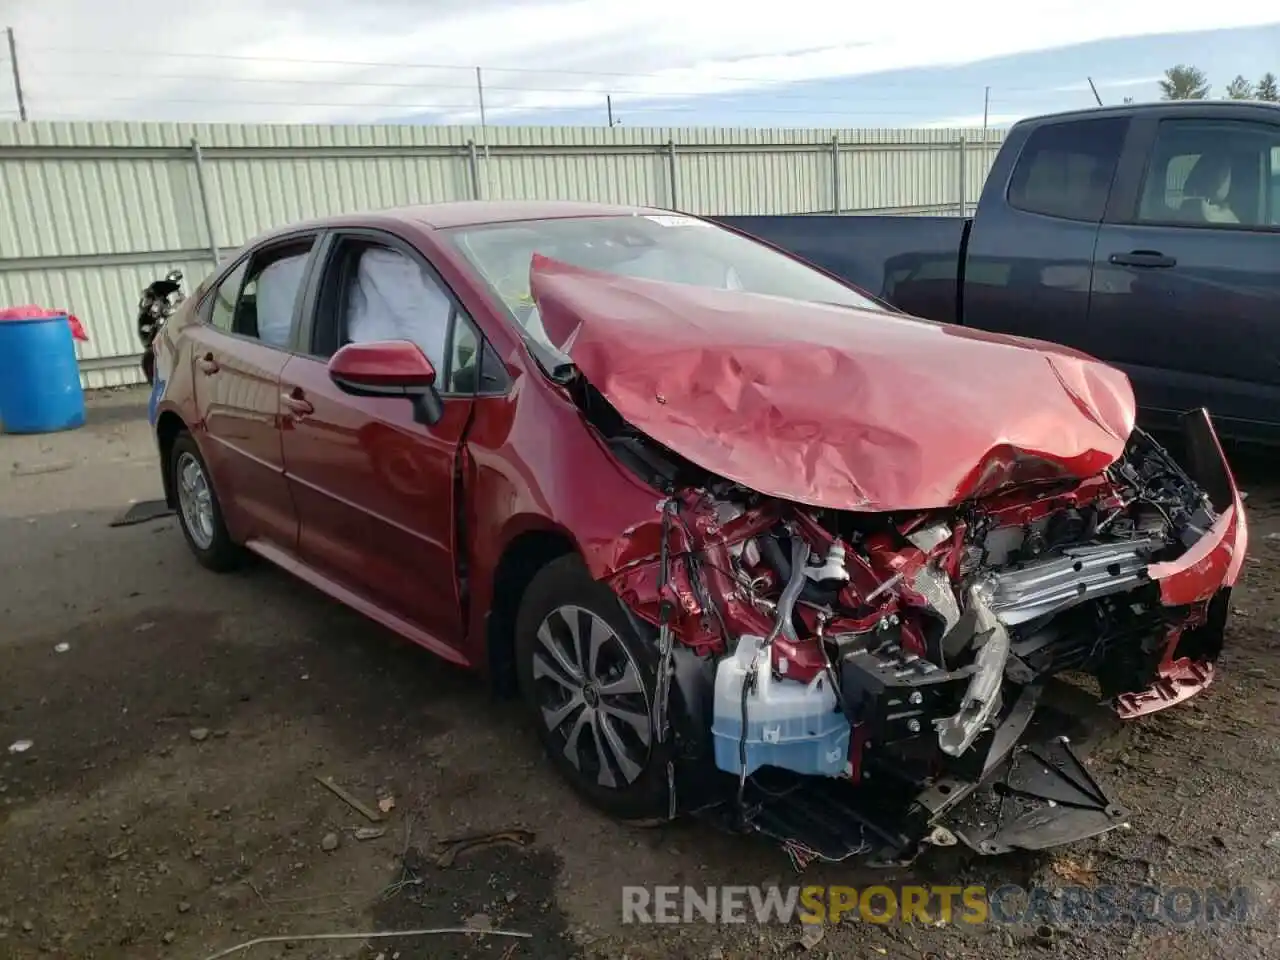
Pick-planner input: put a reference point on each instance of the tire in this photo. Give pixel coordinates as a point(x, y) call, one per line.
point(563, 595)
point(205, 533)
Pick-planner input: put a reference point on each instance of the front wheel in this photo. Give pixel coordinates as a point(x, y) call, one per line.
point(199, 513)
point(589, 682)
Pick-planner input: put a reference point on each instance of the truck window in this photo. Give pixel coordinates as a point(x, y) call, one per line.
point(1065, 169)
point(1275, 184)
point(1213, 173)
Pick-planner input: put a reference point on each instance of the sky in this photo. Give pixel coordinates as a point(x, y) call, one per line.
point(663, 63)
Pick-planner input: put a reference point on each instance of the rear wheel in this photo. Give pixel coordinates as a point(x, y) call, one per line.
point(589, 682)
point(199, 512)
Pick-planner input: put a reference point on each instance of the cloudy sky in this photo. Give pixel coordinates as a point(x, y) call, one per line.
point(663, 62)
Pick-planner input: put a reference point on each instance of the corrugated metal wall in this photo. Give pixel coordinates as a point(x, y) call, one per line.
point(93, 212)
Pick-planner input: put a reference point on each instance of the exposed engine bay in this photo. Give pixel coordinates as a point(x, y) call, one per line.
point(909, 649)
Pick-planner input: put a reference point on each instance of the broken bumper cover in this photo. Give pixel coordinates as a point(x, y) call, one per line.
point(1200, 579)
point(1035, 792)
point(1043, 797)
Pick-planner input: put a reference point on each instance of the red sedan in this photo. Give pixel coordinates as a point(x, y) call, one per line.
point(745, 539)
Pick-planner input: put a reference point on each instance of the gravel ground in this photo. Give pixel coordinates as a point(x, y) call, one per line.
point(169, 803)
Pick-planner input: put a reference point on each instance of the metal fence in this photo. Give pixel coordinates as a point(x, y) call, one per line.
point(97, 211)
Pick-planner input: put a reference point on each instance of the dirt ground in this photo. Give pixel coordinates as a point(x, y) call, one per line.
point(169, 805)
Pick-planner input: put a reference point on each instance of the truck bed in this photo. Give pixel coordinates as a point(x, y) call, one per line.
point(914, 263)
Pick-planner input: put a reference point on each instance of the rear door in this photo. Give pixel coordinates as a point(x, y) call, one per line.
point(238, 352)
point(1031, 247)
point(377, 492)
point(1188, 265)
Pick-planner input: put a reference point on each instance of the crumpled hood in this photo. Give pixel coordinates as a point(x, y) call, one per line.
point(831, 406)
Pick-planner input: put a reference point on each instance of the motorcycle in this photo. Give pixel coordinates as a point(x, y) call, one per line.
point(159, 301)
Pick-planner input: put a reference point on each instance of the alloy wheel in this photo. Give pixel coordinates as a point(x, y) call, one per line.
point(195, 500)
point(592, 697)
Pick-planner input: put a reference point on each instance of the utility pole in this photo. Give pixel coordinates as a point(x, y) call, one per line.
point(480, 93)
point(484, 133)
point(608, 105)
point(1095, 90)
point(17, 74)
point(986, 108)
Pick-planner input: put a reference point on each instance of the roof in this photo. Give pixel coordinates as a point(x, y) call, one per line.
point(461, 213)
point(470, 212)
point(1136, 109)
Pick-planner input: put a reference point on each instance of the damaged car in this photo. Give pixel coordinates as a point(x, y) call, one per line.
point(750, 543)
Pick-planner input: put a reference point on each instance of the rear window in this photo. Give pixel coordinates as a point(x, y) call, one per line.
point(1065, 169)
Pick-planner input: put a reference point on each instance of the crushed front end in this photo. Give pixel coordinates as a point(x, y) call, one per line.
point(872, 682)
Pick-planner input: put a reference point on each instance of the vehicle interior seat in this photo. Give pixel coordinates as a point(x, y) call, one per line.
point(1206, 196)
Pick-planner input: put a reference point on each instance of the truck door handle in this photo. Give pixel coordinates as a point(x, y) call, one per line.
point(1143, 258)
point(297, 403)
point(207, 364)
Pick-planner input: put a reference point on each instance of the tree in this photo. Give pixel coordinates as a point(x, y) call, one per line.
point(1184, 83)
point(1267, 89)
point(1239, 89)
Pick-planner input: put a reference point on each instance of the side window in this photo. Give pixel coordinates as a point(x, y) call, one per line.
point(464, 362)
point(257, 298)
point(1275, 184)
point(1212, 173)
point(474, 366)
point(1065, 169)
point(266, 304)
point(223, 313)
point(389, 296)
point(374, 292)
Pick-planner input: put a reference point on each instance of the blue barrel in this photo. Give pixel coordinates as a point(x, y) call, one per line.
point(40, 388)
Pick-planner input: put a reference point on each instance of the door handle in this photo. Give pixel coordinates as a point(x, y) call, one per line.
point(297, 403)
point(207, 364)
point(1143, 258)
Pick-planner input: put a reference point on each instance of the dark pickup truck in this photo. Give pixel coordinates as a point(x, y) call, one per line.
point(1147, 236)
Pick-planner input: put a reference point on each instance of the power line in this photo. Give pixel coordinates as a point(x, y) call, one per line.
point(257, 103)
point(152, 54)
point(871, 90)
point(437, 106)
point(645, 101)
point(669, 74)
point(400, 85)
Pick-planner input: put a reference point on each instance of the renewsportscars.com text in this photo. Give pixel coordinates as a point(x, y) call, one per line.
point(972, 905)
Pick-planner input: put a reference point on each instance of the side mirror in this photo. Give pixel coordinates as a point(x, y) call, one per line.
point(388, 368)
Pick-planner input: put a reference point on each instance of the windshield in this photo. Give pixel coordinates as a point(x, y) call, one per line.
point(667, 247)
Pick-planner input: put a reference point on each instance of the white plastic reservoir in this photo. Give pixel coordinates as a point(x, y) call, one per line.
point(791, 725)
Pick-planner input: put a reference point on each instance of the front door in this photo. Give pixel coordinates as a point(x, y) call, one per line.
point(1190, 269)
point(377, 492)
point(238, 352)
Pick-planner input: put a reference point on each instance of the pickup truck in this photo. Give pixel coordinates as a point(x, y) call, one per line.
point(1145, 235)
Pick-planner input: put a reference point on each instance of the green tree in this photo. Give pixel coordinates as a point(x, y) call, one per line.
point(1184, 83)
point(1239, 89)
point(1267, 89)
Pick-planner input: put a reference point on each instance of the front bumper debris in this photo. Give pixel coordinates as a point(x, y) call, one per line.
point(1044, 796)
point(1202, 577)
point(1032, 792)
